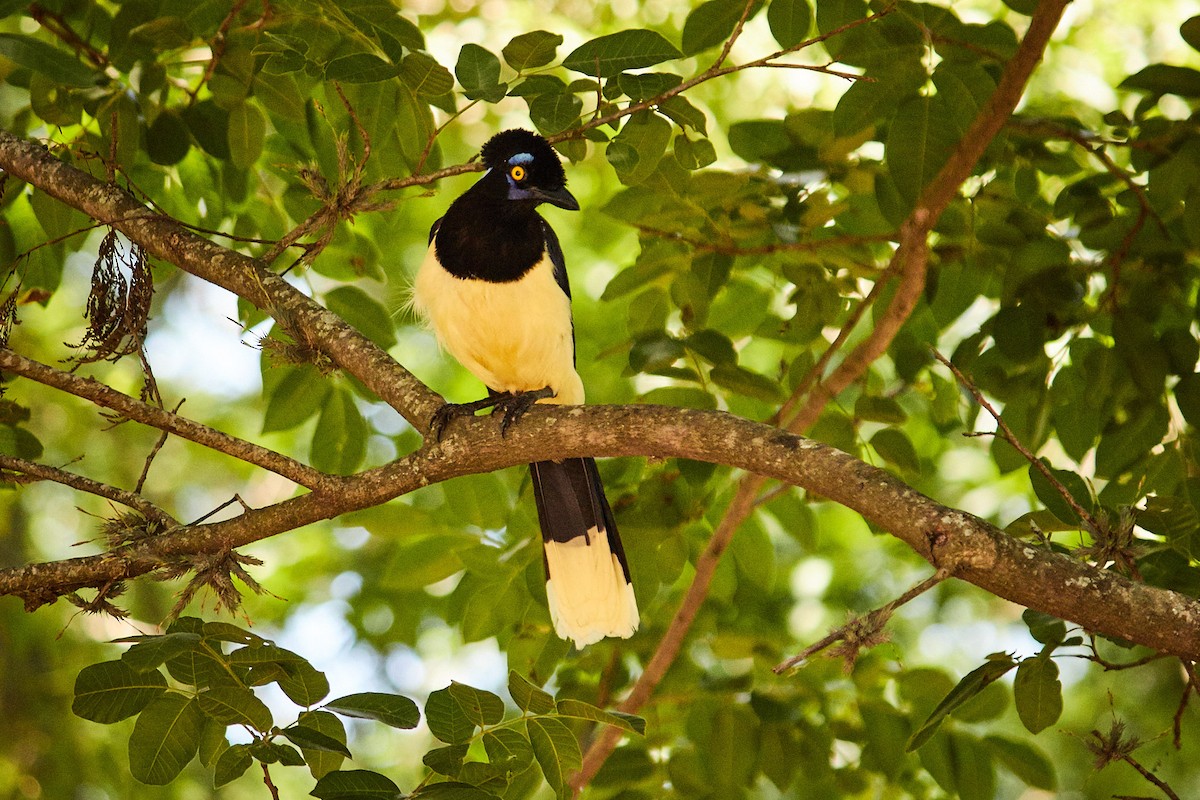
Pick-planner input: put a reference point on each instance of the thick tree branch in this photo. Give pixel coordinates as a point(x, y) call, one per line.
point(156, 417)
point(246, 277)
point(971, 549)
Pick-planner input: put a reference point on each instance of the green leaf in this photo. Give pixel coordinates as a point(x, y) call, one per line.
point(481, 707)
point(296, 397)
point(556, 751)
point(1052, 499)
point(1190, 31)
point(605, 56)
point(919, 141)
point(167, 139)
point(56, 64)
point(897, 449)
point(304, 684)
point(790, 21)
point(1024, 760)
point(693, 155)
point(263, 653)
point(277, 753)
point(209, 124)
point(212, 743)
point(1043, 627)
point(554, 112)
point(508, 749)
point(360, 68)
point(247, 130)
point(530, 50)
point(1038, 693)
point(226, 632)
point(974, 772)
point(1159, 79)
point(151, 653)
point(164, 739)
point(446, 718)
point(744, 382)
point(637, 149)
point(391, 709)
point(580, 710)
point(478, 72)
point(356, 784)
point(971, 685)
point(231, 764)
point(364, 312)
point(680, 110)
point(528, 696)
point(453, 790)
point(425, 76)
point(235, 705)
point(310, 739)
point(879, 409)
point(112, 691)
point(711, 23)
point(322, 762)
point(446, 760)
point(339, 442)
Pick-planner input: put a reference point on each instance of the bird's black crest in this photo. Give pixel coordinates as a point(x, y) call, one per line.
point(545, 170)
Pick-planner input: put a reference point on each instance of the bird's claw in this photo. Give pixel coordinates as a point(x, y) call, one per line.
point(514, 406)
point(511, 406)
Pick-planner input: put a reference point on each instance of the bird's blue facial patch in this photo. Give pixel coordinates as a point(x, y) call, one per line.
point(520, 161)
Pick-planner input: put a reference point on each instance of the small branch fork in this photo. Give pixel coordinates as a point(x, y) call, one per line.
point(861, 632)
point(1006, 432)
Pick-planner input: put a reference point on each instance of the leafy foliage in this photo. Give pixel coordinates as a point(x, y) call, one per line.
point(188, 710)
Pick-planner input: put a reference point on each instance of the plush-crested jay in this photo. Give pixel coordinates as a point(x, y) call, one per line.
point(493, 286)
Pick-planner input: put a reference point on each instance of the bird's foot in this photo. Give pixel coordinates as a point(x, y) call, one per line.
point(514, 406)
point(452, 411)
point(511, 405)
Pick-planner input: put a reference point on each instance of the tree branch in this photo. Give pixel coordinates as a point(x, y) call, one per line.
point(30, 470)
point(130, 408)
point(973, 550)
point(246, 277)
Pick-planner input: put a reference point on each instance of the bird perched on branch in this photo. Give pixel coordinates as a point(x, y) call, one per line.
point(494, 288)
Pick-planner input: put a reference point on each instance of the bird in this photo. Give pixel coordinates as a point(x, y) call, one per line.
point(493, 287)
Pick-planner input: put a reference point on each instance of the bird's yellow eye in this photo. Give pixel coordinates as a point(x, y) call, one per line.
point(517, 173)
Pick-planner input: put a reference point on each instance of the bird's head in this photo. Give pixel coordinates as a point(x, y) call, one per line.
point(530, 168)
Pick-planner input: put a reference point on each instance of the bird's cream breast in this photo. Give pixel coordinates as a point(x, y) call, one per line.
point(513, 336)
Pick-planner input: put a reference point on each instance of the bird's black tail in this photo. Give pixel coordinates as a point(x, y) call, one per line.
point(587, 577)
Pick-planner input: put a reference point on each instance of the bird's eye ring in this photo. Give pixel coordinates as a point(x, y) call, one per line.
point(517, 173)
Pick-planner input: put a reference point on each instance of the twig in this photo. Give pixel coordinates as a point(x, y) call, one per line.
point(217, 48)
point(733, 37)
point(267, 780)
point(29, 471)
point(56, 24)
point(155, 417)
point(868, 624)
point(154, 452)
point(1150, 776)
point(1084, 515)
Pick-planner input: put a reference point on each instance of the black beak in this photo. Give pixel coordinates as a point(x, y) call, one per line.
point(559, 197)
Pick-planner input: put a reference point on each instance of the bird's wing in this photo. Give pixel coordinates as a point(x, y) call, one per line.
point(554, 250)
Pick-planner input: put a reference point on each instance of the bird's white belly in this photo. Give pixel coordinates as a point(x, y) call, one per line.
point(515, 336)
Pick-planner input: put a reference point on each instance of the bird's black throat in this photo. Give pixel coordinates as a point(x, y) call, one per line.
point(486, 236)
